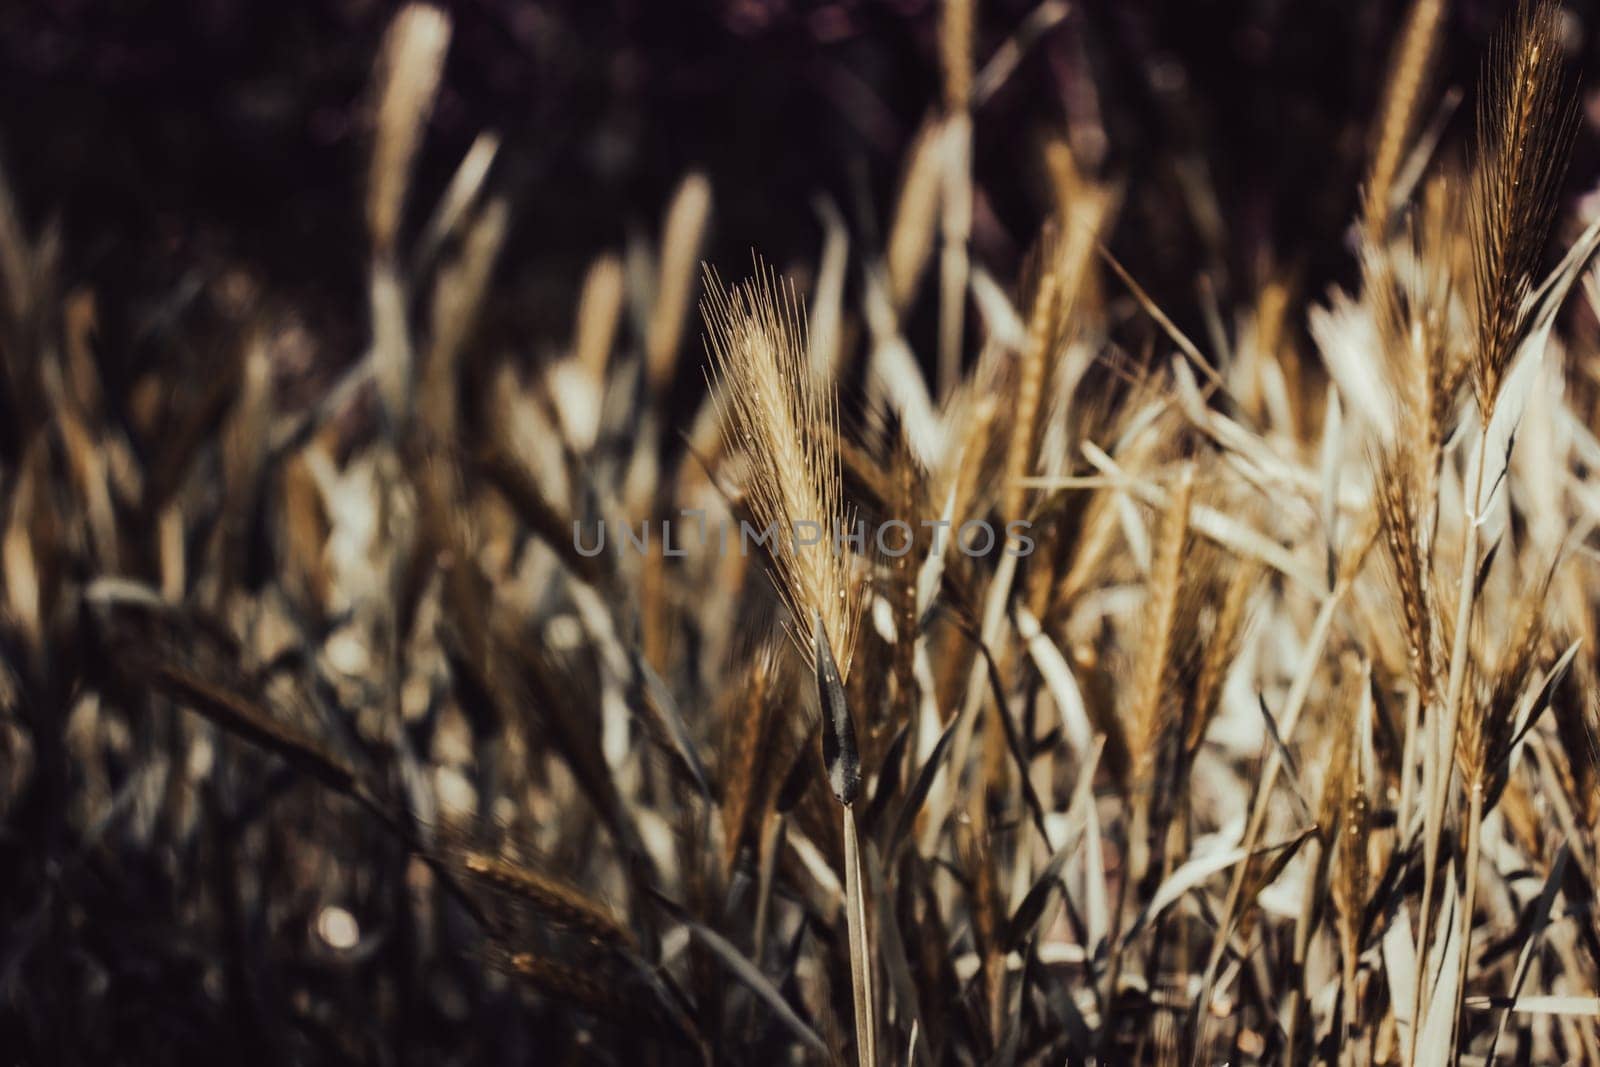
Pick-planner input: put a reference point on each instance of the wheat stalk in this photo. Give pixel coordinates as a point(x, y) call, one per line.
point(1525, 125)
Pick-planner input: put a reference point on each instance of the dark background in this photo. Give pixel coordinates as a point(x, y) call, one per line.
point(175, 139)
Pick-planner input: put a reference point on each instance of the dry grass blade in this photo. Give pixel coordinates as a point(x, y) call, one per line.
point(465, 189)
point(749, 974)
point(240, 716)
point(911, 236)
point(1541, 918)
point(956, 31)
point(1572, 1005)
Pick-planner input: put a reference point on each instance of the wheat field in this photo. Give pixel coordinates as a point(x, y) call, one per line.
point(1228, 697)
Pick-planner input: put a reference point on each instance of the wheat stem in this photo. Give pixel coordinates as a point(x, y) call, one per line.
point(1474, 843)
point(860, 949)
point(1444, 740)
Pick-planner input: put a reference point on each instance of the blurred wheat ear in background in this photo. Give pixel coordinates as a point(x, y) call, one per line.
point(477, 699)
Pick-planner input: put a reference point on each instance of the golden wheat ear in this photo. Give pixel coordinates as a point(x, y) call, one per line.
point(783, 419)
point(1410, 68)
point(523, 886)
point(1527, 117)
point(407, 81)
